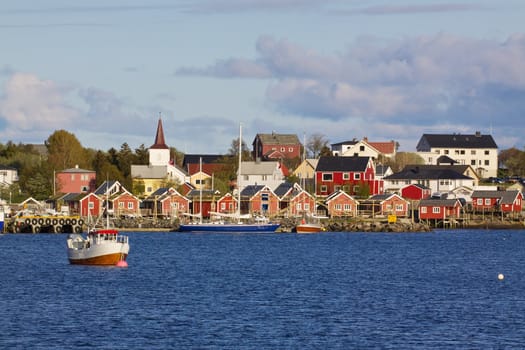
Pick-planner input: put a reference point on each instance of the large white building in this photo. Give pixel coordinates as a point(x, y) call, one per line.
point(477, 150)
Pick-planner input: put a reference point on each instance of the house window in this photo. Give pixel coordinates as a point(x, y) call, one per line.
point(487, 152)
point(246, 177)
point(327, 176)
point(174, 205)
point(264, 196)
point(307, 206)
point(487, 162)
point(437, 151)
point(361, 148)
point(264, 177)
point(324, 188)
point(487, 201)
point(446, 151)
point(337, 188)
point(223, 206)
point(346, 188)
point(72, 177)
point(423, 210)
point(356, 189)
point(472, 162)
point(91, 205)
point(121, 205)
point(473, 152)
point(338, 207)
point(84, 189)
point(149, 189)
point(462, 152)
point(436, 210)
point(282, 149)
point(400, 207)
point(298, 206)
point(479, 201)
point(346, 176)
point(348, 207)
point(290, 149)
point(357, 176)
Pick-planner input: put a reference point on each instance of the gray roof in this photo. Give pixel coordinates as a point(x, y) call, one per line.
point(505, 197)
point(279, 139)
point(458, 141)
point(439, 202)
point(258, 168)
point(356, 164)
point(430, 172)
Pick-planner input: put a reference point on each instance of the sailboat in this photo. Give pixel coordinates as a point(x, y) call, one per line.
point(231, 222)
point(104, 246)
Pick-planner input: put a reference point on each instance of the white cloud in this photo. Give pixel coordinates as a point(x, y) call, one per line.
point(30, 103)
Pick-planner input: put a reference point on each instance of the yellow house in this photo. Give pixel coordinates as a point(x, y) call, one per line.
point(306, 170)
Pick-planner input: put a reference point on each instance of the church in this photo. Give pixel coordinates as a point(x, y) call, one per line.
point(161, 169)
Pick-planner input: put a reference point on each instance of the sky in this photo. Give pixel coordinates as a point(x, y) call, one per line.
point(106, 71)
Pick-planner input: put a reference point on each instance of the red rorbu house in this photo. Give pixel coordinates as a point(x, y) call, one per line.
point(227, 204)
point(202, 201)
point(90, 205)
point(166, 202)
point(386, 204)
point(120, 201)
point(259, 199)
point(353, 175)
point(497, 201)
point(294, 200)
point(341, 204)
point(439, 209)
point(416, 192)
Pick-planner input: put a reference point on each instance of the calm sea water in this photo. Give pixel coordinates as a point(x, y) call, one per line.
point(435, 290)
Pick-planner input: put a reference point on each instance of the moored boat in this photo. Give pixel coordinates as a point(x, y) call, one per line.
point(308, 228)
point(98, 247)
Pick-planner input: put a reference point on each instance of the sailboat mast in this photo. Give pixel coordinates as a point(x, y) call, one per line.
point(200, 190)
point(239, 175)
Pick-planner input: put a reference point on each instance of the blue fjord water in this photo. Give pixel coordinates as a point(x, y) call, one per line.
point(436, 290)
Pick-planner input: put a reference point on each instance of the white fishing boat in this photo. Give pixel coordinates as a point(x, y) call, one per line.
point(104, 246)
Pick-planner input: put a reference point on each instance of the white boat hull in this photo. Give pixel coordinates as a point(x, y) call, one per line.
point(96, 250)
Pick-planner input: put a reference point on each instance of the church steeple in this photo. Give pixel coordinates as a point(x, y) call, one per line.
point(159, 137)
point(159, 152)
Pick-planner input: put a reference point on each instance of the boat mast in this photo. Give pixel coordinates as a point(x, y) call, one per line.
point(239, 176)
point(200, 190)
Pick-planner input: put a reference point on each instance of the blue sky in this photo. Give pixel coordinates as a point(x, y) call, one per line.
point(387, 70)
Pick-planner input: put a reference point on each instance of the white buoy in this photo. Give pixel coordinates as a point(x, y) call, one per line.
point(501, 277)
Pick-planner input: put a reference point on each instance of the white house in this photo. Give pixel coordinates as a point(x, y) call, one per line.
point(261, 173)
point(477, 150)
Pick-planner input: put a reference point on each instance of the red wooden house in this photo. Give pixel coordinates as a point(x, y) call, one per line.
point(258, 199)
point(90, 205)
point(165, 202)
point(120, 201)
point(276, 146)
point(294, 200)
point(416, 192)
point(439, 209)
point(353, 175)
point(497, 201)
point(386, 204)
point(341, 204)
point(203, 202)
point(227, 204)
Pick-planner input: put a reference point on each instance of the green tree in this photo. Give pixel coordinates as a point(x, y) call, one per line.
point(65, 151)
